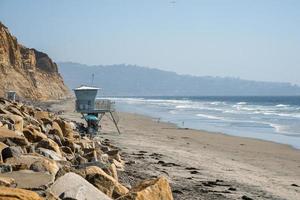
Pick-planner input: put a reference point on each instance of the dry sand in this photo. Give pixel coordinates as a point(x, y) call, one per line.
point(199, 164)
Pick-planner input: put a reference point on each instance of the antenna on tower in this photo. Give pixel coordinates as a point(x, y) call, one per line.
point(93, 76)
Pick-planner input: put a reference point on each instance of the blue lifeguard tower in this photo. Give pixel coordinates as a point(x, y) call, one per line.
point(93, 109)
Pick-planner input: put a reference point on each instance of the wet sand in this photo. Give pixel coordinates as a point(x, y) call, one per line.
point(199, 164)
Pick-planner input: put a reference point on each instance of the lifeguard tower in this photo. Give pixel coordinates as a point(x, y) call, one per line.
point(93, 110)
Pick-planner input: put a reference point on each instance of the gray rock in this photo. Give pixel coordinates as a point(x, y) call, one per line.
point(77, 193)
point(73, 186)
point(50, 154)
point(4, 168)
point(11, 151)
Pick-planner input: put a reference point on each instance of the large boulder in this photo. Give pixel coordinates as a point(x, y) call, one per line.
point(12, 151)
point(33, 159)
point(154, 189)
point(7, 193)
point(114, 154)
point(49, 144)
point(50, 154)
point(104, 182)
point(73, 186)
point(2, 146)
point(16, 137)
point(33, 135)
point(113, 171)
point(66, 128)
point(56, 130)
point(16, 119)
point(40, 115)
point(7, 181)
point(14, 110)
point(28, 179)
point(29, 120)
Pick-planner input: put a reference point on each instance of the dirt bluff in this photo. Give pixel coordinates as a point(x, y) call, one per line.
point(32, 74)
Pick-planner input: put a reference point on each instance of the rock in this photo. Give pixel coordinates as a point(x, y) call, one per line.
point(17, 120)
point(154, 189)
point(33, 135)
point(12, 151)
point(29, 120)
point(50, 154)
point(79, 160)
point(69, 143)
point(56, 139)
point(49, 144)
point(6, 134)
point(39, 115)
point(29, 159)
point(12, 109)
point(66, 150)
point(3, 110)
point(74, 186)
point(90, 155)
point(104, 182)
point(2, 146)
point(7, 193)
point(28, 179)
point(45, 128)
point(232, 189)
point(67, 169)
point(38, 167)
point(244, 197)
point(104, 157)
point(4, 168)
point(67, 153)
point(114, 154)
point(119, 165)
point(7, 181)
point(66, 128)
point(113, 171)
point(56, 130)
point(85, 144)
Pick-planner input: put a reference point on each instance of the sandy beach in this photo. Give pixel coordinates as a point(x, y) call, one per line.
point(199, 164)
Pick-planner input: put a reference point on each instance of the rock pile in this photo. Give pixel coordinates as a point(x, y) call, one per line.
point(46, 157)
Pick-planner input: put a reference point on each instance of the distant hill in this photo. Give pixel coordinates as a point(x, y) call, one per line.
point(130, 80)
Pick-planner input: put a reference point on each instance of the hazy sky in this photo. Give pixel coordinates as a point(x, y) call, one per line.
point(250, 39)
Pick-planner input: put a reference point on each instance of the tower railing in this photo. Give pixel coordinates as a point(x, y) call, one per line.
point(104, 104)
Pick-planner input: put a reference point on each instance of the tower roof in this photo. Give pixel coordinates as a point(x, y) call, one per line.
point(84, 87)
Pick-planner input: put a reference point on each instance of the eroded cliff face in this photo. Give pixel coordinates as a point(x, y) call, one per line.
point(32, 74)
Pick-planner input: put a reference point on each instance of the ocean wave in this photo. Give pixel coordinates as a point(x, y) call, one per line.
point(186, 106)
point(210, 116)
point(278, 128)
point(281, 105)
point(217, 103)
point(265, 117)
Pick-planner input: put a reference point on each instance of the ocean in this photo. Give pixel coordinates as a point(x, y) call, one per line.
point(274, 119)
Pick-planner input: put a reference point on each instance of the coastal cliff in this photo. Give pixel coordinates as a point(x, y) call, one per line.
point(32, 74)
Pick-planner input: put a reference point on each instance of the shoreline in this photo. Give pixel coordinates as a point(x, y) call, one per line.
point(202, 164)
point(211, 132)
point(273, 120)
